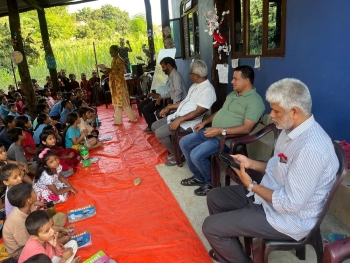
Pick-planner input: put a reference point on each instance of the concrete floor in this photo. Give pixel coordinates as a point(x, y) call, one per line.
point(196, 211)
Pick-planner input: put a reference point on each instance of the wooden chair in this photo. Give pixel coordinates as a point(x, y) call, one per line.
point(262, 247)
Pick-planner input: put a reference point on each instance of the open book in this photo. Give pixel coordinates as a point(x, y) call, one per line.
point(102, 67)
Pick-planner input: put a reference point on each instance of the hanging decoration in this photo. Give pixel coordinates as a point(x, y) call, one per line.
point(213, 24)
point(16, 57)
point(167, 40)
point(50, 61)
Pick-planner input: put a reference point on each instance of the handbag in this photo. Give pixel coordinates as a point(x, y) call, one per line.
point(346, 147)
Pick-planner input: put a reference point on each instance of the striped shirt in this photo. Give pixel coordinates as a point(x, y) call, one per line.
point(301, 183)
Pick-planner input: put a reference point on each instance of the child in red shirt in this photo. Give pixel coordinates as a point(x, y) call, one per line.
point(18, 102)
point(28, 144)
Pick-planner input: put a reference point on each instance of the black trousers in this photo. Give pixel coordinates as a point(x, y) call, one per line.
point(148, 107)
point(233, 215)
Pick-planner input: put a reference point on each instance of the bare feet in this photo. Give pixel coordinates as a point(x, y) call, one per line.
point(99, 144)
point(76, 260)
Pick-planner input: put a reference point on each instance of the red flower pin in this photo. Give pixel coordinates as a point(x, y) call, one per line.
point(283, 158)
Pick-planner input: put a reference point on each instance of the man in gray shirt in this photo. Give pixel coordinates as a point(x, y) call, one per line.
point(175, 93)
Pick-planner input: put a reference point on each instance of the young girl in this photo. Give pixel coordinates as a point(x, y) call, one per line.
point(72, 136)
point(49, 184)
point(43, 120)
point(69, 158)
point(23, 167)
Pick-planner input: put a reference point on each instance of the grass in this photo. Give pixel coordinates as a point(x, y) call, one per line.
point(77, 56)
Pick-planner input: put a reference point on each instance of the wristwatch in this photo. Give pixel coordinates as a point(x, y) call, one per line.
point(250, 187)
point(223, 132)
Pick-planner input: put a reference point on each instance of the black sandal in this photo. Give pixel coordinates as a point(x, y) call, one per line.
point(191, 182)
point(212, 255)
point(203, 190)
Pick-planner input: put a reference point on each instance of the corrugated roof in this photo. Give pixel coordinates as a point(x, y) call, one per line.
point(27, 5)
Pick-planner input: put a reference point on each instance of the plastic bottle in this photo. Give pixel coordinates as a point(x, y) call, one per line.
point(96, 122)
point(50, 208)
point(84, 152)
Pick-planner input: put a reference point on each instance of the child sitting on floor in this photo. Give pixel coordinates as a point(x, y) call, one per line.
point(43, 120)
point(23, 167)
point(25, 112)
point(15, 152)
point(18, 102)
point(72, 136)
point(69, 158)
point(13, 110)
point(22, 197)
point(49, 184)
point(67, 107)
point(28, 144)
point(43, 240)
point(85, 114)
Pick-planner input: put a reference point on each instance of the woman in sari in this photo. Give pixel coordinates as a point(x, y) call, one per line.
point(118, 87)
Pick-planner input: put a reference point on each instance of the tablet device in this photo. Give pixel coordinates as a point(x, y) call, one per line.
point(227, 158)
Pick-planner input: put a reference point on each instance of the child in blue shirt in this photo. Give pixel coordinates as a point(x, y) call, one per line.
point(42, 120)
point(73, 137)
point(13, 110)
point(67, 107)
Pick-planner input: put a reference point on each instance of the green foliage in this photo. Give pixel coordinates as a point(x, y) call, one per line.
point(138, 24)
point(109, 15)
point(73, 45)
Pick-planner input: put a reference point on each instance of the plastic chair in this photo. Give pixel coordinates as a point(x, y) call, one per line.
point(215, 160)
point(262, 247)
point(337, 252)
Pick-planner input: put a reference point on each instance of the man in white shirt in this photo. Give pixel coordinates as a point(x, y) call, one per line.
point(289, 199)
point(190, 111)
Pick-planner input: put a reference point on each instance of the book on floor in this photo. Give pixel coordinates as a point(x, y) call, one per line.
point(83, 238)
point(78, 214)
point(99, 257)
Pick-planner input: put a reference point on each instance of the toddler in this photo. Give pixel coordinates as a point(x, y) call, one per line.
point(49, 184)
point(43, 240)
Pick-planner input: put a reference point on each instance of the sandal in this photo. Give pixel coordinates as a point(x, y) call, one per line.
point(170, 163)
point(212, 255)
point(191, 182)
point(203, 190)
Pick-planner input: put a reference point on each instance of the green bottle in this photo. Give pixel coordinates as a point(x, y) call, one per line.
point(84, 152)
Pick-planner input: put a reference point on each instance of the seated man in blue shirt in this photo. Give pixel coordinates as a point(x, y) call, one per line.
point(289, 199)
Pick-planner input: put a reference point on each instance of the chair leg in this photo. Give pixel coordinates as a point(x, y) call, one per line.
point(138, 106)
point(316, 242)
point(176, 150)
point(215, 171)
point(300, 253)
point(227, 180)
point(257, 249)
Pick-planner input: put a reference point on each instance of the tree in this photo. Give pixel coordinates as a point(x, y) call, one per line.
point(138, 25)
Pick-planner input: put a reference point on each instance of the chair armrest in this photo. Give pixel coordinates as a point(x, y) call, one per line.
point(226, 137)
point(254, 137)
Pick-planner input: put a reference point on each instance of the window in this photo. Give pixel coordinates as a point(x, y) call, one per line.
point(258, 28)
point(190, 29)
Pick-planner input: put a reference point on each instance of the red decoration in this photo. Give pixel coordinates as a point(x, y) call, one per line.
point(219, 38)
